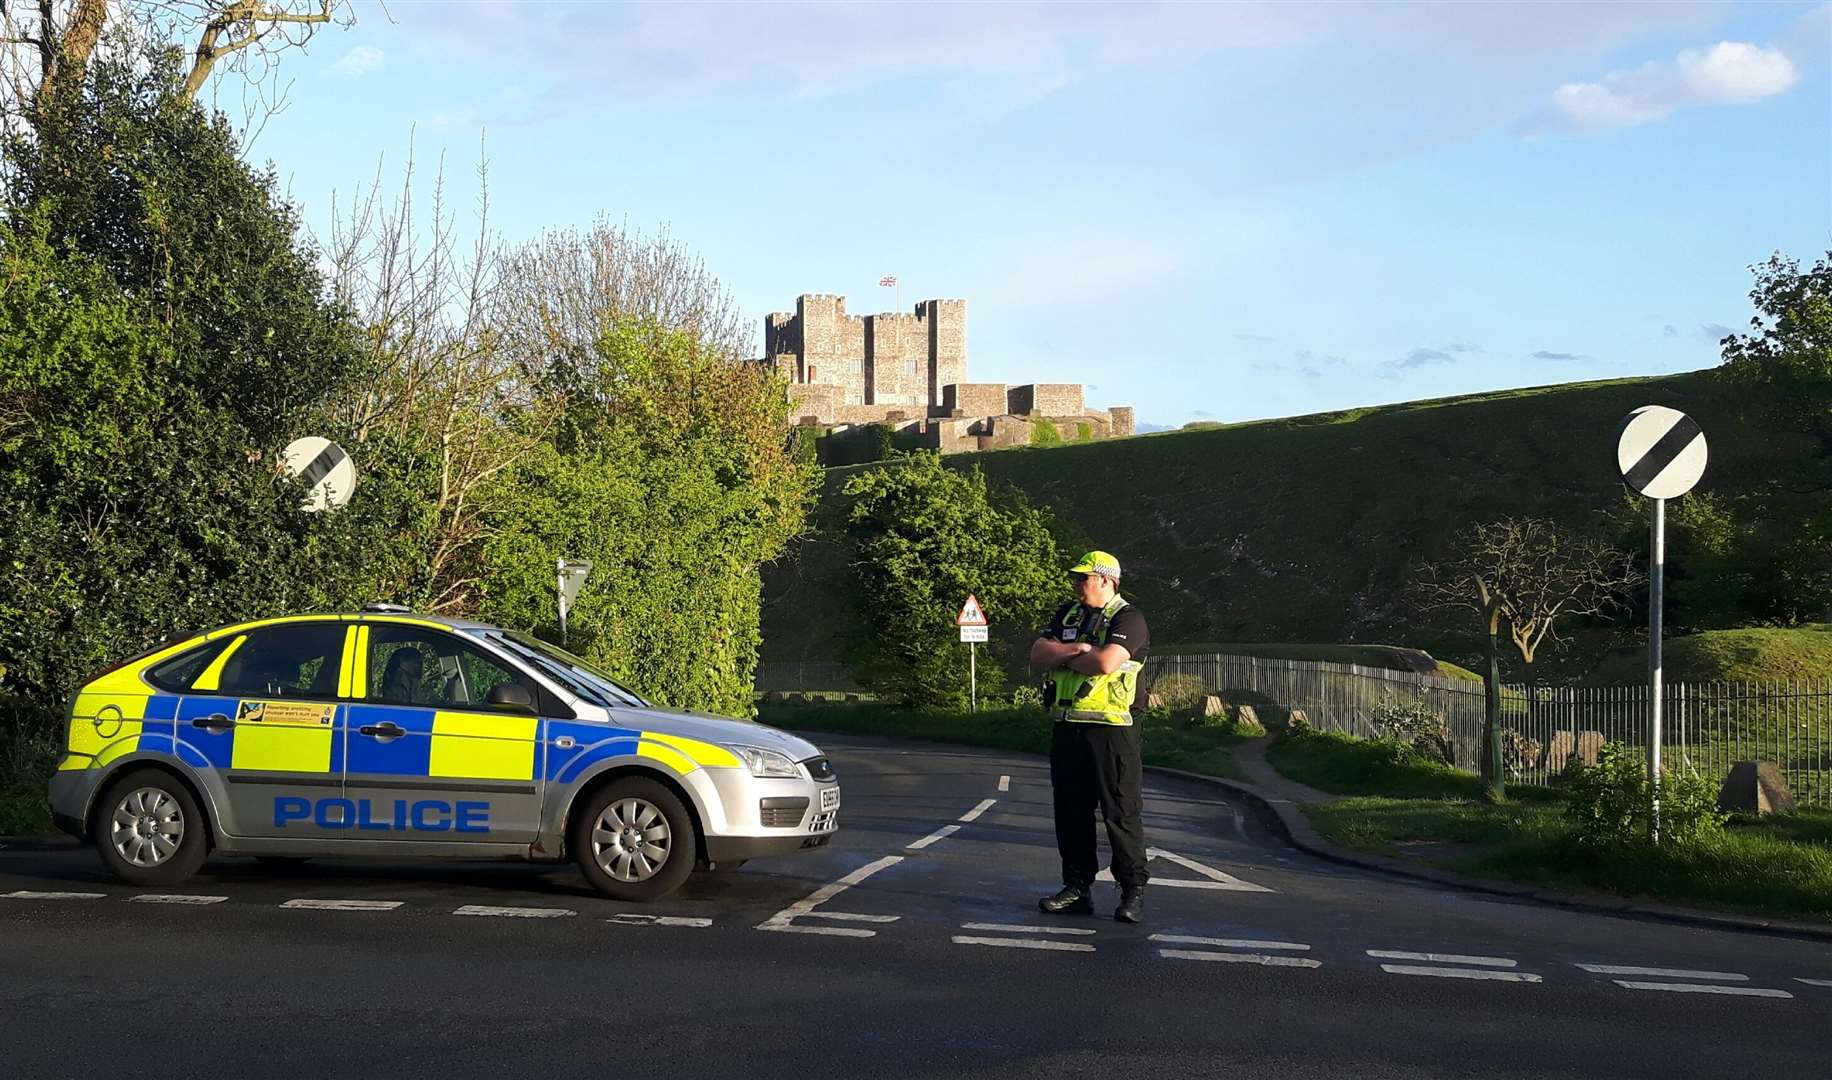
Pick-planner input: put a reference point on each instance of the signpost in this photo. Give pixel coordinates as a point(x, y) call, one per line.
point(1661, 454)
point(328, 472)
point(972, 621)
point(572, 576)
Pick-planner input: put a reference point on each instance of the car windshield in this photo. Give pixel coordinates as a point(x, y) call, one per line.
point(570, 671)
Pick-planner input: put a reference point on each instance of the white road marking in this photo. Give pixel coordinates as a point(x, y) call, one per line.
point(1815, 982)
point(1022, 943)
point(1217, 879)
point(1262, 959)
point(1229, 943)
point(631, 918)
point(1461, 973)
point(1664, 973)
point(175, 898)
point(1444, 958)
point(27, 894)
point(850, 916)
point(344, 905)
point(1021, 928)
point(974, 814)
point(514, 912)
point(1703, 988)
point(1004, 783)
point(939, 834)
point(783, 922)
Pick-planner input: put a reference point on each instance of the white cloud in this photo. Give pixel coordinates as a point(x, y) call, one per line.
point(361, 60)
point(1728, 73)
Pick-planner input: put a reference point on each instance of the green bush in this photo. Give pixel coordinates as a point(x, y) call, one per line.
point(881, 442)
point(1027, 697)
point(1044, 433)
point(1084, 431)
point(1609, 802)
point(1180, 693)
point(1416, 724)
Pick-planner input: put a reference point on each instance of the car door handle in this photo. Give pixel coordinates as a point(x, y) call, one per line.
point(213, 722)
point(388, 730)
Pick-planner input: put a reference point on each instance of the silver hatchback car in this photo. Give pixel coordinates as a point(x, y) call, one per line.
point(387, 733)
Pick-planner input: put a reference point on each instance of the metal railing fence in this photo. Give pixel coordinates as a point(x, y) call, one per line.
point(1705, 726)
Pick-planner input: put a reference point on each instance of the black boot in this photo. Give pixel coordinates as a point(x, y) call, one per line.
point(1072, 900)
point(1132, 904)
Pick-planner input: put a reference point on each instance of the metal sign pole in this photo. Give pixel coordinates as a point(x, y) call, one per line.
point(973, 678)
point(1656, 601)
point(560, 589)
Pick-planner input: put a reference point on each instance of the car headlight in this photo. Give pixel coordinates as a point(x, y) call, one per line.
point(763, 762)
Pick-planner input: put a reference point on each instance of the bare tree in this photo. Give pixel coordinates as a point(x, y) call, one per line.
point(48, 44)
point(569, 287)
point(441, 379)
point(1524, 575)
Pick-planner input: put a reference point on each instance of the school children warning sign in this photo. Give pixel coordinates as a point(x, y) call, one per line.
point(971, 613)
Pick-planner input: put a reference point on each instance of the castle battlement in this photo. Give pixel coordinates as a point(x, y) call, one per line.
point(909, 370)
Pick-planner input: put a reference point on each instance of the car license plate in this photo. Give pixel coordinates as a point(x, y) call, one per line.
point(830, 799)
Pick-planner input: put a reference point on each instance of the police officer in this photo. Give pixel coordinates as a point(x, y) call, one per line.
point(1093, 649)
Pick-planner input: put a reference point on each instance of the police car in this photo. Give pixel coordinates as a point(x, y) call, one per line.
point(387, 733)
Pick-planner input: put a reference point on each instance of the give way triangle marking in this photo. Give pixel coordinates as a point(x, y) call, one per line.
point(1213, 878)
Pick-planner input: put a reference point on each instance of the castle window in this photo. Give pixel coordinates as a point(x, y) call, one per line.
point(810, 372)
point(909, 367)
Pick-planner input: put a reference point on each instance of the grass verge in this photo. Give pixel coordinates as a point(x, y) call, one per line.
point(1204, 750)
point(1778, 866)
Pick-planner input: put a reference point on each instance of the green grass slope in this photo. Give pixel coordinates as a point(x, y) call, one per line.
point(1302, 529)
point(1757, 655)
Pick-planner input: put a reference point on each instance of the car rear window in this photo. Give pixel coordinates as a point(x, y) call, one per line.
point(178, 673)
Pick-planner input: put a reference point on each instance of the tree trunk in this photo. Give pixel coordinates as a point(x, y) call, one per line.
point(1492, 768)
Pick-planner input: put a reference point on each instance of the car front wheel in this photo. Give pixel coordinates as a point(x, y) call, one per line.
point(634, 840)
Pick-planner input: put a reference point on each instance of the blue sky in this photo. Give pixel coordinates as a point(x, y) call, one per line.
point(1205, 211)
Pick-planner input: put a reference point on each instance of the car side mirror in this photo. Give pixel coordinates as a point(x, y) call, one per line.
point(510, 695)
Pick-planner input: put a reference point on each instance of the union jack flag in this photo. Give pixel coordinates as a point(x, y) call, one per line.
point(887, 282)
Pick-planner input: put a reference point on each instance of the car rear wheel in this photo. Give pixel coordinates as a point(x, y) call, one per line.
point(150, 831)
point(634, 840)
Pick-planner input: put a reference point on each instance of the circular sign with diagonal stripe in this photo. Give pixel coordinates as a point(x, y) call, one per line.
point(1660, 452)
point(328, 473)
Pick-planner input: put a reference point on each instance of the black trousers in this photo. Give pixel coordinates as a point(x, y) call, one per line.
point(1097, 766)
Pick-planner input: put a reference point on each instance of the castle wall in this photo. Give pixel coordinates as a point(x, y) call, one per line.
point(1050, 399)
point(899, 350)
point(833, 345)
point(973, 399)
point(1122, 420)
point(814, 400)
point(946, 322)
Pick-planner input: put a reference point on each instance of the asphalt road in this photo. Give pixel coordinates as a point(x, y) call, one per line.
point(906, 948)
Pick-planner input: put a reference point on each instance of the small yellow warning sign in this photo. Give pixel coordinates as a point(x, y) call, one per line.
point(292, 713)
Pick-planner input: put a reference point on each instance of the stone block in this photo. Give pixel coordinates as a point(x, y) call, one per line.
point(1296, 720)
point(1212, 705)
point(1756, 787)
point(1154, 701)
point(1248, 723)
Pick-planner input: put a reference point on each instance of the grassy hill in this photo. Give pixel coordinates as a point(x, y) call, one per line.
point(1302, 529)
point(1755, 655)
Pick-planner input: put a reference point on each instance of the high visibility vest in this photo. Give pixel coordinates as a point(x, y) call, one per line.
point(1096, 699)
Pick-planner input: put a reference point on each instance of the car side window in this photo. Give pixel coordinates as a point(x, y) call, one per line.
point(299, 661)
point(414, 666)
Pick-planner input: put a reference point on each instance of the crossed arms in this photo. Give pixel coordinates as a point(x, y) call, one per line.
point(1078, 656)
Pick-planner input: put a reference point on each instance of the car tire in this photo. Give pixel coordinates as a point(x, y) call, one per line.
point(634, 840)
point(149, 830)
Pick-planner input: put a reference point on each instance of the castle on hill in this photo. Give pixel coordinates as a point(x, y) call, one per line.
point(909, 372)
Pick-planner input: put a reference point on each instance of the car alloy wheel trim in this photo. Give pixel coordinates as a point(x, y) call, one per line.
point(631, 840)
point(147, 827)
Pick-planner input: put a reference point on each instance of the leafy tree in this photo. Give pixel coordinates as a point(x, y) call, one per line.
point(671, 472)
point(162, 336)
point(1790, 343)
point(924, 536)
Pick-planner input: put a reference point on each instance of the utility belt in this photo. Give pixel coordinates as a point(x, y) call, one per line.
point(1091, 716)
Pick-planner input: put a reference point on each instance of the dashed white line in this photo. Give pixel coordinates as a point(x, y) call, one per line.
point(1021, 928)
point(27, 894)
point(1462, 973)
point(175, 898)
point(974, 814)
point(514, 912)
point(850, 916)
point(1444, 958)
point(1004, 783)
point(939, 834)
point(1703, 988)
point(1229, 943)
point(1263, 959)
point(1814, 982)
point(1022, 943)
point(344, 905)
point(630, 918)
point(783, 922)
point(1665, 973)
